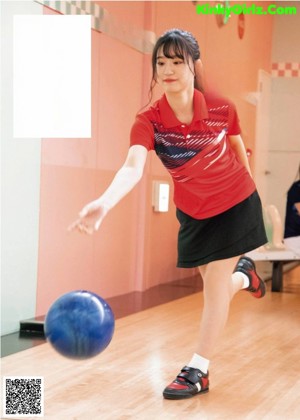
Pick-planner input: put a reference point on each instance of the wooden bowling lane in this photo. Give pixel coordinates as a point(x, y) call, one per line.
point(255, 373)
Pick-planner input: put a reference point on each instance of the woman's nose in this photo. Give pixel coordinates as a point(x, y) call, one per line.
point(168, 68)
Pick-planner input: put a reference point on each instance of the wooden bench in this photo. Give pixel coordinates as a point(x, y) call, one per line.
point(278, 257)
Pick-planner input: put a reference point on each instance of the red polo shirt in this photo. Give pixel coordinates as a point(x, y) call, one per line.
point(208, 178)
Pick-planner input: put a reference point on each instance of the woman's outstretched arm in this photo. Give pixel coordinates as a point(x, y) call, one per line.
point(92, 215)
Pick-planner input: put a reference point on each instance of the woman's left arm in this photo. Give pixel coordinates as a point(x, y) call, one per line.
point(237, 144)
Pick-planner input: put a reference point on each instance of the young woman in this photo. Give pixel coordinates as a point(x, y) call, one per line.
point(197, 137)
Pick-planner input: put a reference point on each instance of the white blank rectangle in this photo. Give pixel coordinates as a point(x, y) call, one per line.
point(52, 76)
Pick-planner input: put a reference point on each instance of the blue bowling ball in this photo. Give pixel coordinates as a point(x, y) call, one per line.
point(79, 324)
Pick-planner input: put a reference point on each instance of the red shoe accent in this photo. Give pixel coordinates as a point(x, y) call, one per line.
point(257, 286)
point(175, 385)
point(205, 382)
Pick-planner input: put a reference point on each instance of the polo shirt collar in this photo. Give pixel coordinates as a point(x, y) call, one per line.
point(169, 119)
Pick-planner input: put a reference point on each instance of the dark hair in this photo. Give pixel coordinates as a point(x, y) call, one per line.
point(175, 43)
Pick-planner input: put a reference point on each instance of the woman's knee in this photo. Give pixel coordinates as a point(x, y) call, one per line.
point(217, 274)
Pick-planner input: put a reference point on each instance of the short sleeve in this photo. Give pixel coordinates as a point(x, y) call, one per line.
point(233, 121)
point(142, 132)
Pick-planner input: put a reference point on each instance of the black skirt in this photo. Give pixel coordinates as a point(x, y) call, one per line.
point(229, 234)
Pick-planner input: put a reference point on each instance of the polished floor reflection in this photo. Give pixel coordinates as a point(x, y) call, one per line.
point(254, 373)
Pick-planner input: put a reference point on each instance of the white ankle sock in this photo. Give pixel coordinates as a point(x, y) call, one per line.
point(199, 362)
point(244, 277)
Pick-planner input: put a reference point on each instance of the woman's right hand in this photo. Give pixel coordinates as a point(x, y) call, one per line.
point(90, 217)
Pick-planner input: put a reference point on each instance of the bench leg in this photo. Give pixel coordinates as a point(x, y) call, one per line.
point(277, 276)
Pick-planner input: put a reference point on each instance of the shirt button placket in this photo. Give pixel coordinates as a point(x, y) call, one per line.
point(187, 137)
point(184, 131)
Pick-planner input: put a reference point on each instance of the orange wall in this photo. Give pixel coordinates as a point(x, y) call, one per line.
point(135, 247)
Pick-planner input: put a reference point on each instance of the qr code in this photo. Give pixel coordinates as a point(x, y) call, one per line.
point(23, 396)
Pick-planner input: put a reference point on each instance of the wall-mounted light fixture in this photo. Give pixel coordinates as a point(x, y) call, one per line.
point(160, 196)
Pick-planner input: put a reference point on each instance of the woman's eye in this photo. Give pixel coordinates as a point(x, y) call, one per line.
point(160, 63)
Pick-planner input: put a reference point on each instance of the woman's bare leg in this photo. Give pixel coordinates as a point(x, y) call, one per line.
point(219, 288)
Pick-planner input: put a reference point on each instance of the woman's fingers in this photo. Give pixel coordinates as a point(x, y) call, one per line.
point(74, 225)
point(82, 227)
point(90, 218)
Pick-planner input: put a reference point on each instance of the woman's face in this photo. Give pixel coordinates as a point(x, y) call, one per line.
point(174, 74)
